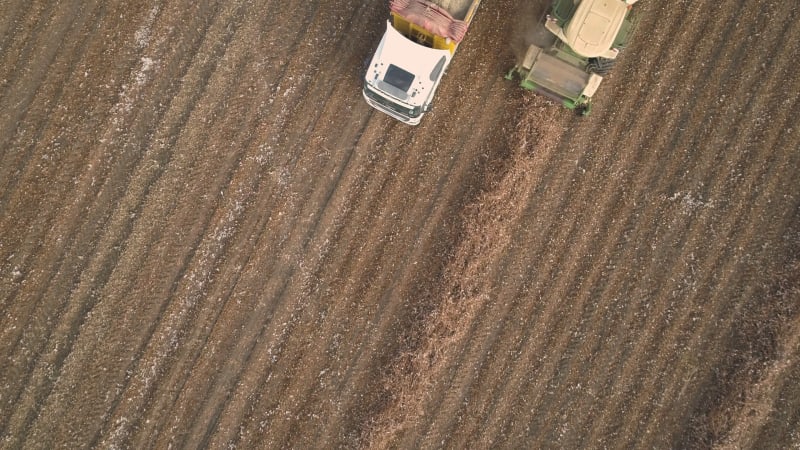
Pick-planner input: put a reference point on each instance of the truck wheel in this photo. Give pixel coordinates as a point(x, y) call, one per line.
point(600, 66)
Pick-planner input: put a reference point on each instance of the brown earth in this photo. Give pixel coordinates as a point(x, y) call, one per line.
point(208, 239)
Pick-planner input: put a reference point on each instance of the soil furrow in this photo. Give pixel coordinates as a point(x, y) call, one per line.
point(159, 343)
point(776, 170)
point(697, 228)
point(676, 143)
point(123, 219)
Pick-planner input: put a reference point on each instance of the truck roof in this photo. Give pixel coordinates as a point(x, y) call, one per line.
point(404, 69)
point(594, 26)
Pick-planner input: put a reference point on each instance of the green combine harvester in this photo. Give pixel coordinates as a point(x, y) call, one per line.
point(580, 45)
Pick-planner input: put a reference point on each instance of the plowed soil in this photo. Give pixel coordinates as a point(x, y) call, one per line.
point(208, 239)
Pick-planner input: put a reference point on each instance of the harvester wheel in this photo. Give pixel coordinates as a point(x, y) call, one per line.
point(600, 66)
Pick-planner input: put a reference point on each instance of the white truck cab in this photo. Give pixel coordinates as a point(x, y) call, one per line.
point(420, 41)
point(403, 76)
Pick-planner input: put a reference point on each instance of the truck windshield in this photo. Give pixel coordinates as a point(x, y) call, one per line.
point(399, 78)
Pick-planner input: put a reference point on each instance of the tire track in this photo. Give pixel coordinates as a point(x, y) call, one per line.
point(306, 280)
point(289, 288)
point(274, 356)
point(254, 327)
point(304, 245)
point(301, 241)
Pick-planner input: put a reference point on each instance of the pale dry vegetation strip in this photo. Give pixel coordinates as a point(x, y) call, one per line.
point(498, 237)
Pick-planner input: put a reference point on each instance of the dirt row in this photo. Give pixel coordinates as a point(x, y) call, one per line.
point(208, 239)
